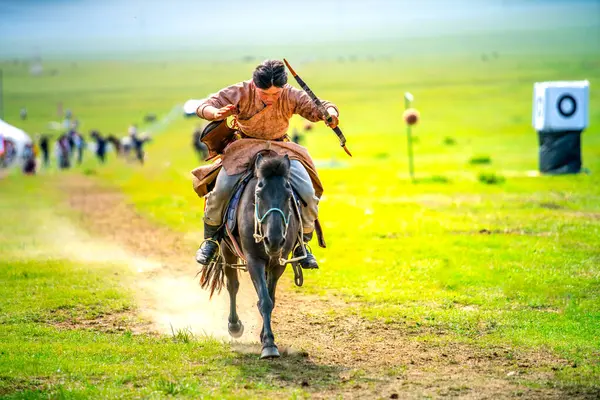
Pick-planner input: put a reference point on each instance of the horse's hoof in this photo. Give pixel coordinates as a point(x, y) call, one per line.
point(269, 352)
point(236, 330)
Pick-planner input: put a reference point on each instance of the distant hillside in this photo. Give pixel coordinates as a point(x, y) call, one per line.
point(54, 29)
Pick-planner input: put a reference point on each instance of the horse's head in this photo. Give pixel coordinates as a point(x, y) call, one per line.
point(273, 201)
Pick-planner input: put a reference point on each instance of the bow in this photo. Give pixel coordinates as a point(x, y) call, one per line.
point(320, 107)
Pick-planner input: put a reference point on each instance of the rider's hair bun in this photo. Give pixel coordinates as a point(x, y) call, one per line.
point(270, 73)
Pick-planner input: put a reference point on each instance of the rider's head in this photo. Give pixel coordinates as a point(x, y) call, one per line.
point(270, 78)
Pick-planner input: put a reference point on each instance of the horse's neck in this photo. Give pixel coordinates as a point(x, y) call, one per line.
point(245, 211)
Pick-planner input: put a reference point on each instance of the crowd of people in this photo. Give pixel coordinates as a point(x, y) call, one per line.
point(8, 152)
point(69, 147)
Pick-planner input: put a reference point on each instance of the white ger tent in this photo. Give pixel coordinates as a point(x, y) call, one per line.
point(14, 134)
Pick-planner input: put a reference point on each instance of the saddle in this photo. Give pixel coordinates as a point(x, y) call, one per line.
point(216, 136)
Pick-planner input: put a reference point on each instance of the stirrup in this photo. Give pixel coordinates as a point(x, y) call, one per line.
point(215, 256)
point(304, 261)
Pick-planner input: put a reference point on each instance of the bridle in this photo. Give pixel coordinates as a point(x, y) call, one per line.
point(258, 220)
point(258, 234)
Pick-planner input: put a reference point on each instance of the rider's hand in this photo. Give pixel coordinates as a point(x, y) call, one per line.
point(334, 121)
point(224, 112)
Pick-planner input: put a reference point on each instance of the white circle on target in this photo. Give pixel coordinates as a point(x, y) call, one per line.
point(567, 105)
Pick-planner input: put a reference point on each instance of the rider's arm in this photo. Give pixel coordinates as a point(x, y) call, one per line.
point(230, 96)
point(304, 106)
point(208, 112)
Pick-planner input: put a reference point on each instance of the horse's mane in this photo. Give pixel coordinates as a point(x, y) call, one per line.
point(271, 165)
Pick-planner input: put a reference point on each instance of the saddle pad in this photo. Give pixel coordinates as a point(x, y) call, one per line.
point(230, 220)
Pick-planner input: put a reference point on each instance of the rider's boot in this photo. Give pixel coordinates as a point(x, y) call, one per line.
point(310, 262)
point(208, 249)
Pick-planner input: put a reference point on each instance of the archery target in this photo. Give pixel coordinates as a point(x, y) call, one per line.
point(561, 106)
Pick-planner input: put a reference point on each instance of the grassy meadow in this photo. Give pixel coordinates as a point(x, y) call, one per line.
point(484, 252)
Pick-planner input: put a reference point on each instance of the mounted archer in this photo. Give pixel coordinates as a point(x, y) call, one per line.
point(262, 108)
point(266, 185)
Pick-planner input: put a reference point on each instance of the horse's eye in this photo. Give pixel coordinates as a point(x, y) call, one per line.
point(260, 184)
point(287, 185)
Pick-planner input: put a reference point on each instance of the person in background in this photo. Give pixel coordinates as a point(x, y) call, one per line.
point(137, 143)
point(126, 145)
point(79, 146)
point(2, 150)
point(29, 155)
point(23, 113)
point(45, 148)
point(132, 130)
point(100, 146)
point(63, 151)
point(10, 152)
point(71, 140)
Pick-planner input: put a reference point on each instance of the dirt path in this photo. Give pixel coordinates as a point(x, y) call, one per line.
point(368, 358)
point(167, 291)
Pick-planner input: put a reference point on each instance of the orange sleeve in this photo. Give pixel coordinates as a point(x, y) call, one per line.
point(304, 105)
point(230, 95)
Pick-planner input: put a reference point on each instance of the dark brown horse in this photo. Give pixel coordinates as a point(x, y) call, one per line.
point(112, 139)
point(268, 227)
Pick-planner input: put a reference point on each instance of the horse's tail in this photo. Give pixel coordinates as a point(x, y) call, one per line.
point(212, 277)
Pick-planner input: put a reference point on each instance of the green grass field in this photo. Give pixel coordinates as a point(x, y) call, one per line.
point(449, 258)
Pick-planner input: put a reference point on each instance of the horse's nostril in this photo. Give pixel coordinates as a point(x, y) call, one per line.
point(281, 242)
point(266, 239)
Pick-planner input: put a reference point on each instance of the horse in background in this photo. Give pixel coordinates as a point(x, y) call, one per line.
point(132, 146)
point(115, 142)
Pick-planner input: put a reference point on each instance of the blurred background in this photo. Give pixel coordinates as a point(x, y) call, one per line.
point(470, 65)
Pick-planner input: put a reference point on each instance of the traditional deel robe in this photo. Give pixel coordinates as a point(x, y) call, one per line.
point(262, 127)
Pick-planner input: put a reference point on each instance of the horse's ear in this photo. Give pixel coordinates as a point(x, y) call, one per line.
point(259, 158)
point(287, 161)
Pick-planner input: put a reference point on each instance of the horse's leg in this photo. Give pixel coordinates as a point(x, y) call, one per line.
point(235, 326)
point(256, 267)
point(273, 276)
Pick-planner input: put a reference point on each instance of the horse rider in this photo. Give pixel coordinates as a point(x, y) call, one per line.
point(262, 108)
